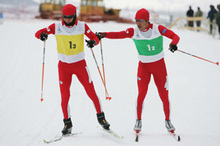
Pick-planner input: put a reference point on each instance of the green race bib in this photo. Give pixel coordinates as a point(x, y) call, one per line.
point(149, 47)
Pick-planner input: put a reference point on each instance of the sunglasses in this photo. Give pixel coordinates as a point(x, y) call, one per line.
point(69, 17)
point(140, 20)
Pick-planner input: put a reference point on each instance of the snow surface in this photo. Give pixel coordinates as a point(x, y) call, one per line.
point(25, 121)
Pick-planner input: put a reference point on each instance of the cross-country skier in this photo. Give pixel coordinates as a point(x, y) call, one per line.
point(69, 35)
point(149, 43)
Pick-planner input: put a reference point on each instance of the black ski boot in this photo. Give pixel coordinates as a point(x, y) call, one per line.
point(67, 126)
point(102, 121)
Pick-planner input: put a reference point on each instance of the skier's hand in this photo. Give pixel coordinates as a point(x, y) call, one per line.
point(173, 48)
point(43, 36)
point(90, 43)
point(100, 35)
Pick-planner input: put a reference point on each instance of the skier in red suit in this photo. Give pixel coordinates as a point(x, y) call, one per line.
point(148, 39)
point(69, 35)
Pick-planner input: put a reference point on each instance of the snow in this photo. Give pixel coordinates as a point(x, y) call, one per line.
point(193, 83)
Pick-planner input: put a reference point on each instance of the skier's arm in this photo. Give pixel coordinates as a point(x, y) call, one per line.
point(48, 30)
point(128, 33)
point(121, 34)
point(94, 40)
point(169, 33)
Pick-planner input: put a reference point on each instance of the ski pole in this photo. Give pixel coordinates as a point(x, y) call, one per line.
point(217, 63)
point(108, 97)
point(42, 82)
point(103, 70)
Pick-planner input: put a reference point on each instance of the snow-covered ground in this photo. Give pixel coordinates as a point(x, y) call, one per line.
point(25, 121)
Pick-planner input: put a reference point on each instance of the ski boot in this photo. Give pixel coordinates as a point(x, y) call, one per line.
point(102, 121)
point(138, 125)
point(67, 126)
point(169, 126)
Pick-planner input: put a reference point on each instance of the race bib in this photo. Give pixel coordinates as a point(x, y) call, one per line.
point(70, 44)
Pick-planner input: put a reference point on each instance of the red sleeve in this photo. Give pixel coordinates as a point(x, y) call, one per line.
point(49, 30)
point(90, 34)
point(128, 33)
point(169, 33)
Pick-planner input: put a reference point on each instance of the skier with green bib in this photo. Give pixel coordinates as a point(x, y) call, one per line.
point(148, 39)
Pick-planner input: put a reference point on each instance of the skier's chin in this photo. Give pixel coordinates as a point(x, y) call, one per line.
point(140, 28)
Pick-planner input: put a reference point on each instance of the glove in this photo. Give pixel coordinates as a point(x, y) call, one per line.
point(173, 48)
point(100, 35)
point(90, 43)
point(43, 36)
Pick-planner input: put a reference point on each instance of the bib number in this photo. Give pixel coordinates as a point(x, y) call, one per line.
point(151, 48)
point(72, 46)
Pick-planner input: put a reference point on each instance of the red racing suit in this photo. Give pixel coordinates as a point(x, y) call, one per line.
point(149, 44)
point(70, 48)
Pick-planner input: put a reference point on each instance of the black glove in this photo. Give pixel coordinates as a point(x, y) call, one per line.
point(90, 43)
point(43, 36)
point(100, 35)
point(173, 48)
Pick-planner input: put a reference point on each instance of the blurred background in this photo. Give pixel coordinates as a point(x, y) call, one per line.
point(168, 12)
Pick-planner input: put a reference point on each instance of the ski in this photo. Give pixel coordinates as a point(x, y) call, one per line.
point(113, 133)
point(59, 137)
point(175, 136)
point(137, 136)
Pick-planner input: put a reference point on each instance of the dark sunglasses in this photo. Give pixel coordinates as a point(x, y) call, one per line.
point(69, 17)
point(140, 20)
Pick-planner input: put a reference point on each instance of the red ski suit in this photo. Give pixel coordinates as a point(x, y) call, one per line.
point(70, 46)
point(154, 66)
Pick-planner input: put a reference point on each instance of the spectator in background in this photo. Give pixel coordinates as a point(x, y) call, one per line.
point(198, 14)
point(1, 18)
point(190, 14)
point(218, 18)
point(211, 16)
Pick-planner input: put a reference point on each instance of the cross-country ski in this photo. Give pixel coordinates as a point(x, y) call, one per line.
point(111, 132)
point(137, 136)
point(59, 137)
point(175, 136)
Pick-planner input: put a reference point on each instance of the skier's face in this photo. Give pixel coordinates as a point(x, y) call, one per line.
point(68, 20)
point(142, 24)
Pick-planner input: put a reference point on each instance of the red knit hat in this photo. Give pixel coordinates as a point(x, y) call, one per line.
point(69, 9)
point(142, 14)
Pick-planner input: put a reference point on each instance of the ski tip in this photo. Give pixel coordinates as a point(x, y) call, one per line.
point(178, 138)
point(45, 141)
point(137, 135)
point(41, 99)
point(136, 139)
point(217, 63)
